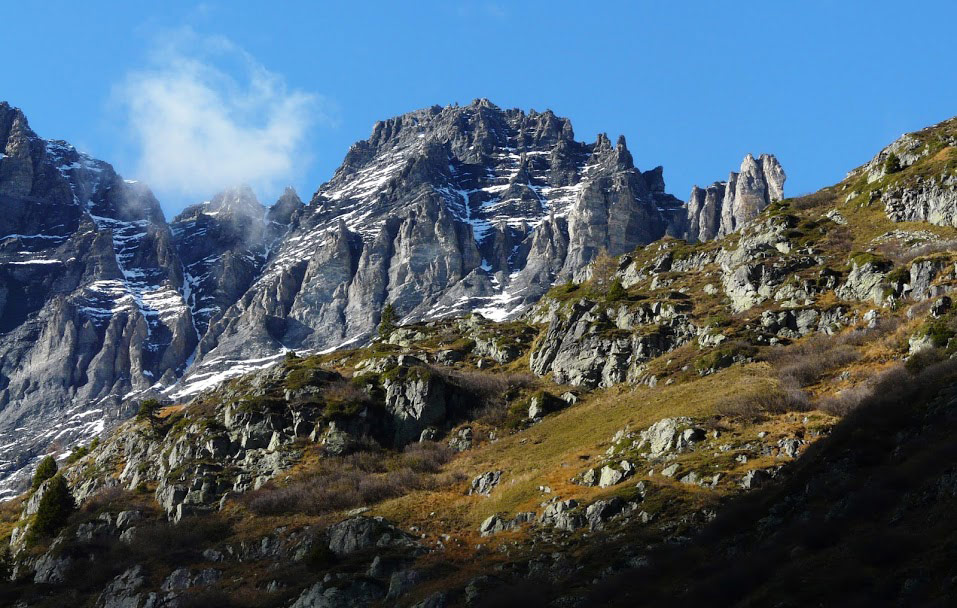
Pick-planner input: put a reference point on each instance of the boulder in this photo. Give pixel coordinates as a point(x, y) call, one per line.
point(485, 483)
point(755, 478)
point(360, 533)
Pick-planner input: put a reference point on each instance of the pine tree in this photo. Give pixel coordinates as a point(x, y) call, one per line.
point(45, 470)
point(386, 321)
point(54, 510)
point(892, 164)
point(149, 411)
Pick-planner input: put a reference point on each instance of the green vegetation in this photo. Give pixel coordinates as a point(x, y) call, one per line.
point(892, 164)
point(724, 356)
point(45, 470)
point(387, 321)
point(56, 506)
point(616, 291)
point(149, 412)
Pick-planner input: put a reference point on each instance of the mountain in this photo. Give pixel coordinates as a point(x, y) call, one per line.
point(441, 212)
point(761, 418)
point(90, 296)
point(757, 418)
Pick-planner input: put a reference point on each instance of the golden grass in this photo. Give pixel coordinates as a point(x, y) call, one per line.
point(561, 446)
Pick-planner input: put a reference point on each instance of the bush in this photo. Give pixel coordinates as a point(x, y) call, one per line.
point(54, 509)
point(45, 470)
point(754, 405)
point(616, 291)
point(923, 359)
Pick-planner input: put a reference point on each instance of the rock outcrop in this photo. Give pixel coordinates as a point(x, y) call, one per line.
point(724, 207)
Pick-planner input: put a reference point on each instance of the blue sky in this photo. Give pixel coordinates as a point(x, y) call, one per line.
point(288, 86)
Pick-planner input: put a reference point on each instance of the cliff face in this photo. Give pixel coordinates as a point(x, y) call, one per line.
point(89, 293)
point(440, 212)
point(725, 207)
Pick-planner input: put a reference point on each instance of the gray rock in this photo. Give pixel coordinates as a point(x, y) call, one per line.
point(485, 483)
point(601, 511)
point(461, 440)
point(563, 515)
point(357, 594)
point(52, 569)
point(122, 592)
point(755, 478)
point(725, 207)
point(615, 474)
point(360, 533)
point(670, 470)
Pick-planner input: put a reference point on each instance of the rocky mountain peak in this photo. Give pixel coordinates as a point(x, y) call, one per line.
point(13, 128)
point(724, 207)
point(288, 206)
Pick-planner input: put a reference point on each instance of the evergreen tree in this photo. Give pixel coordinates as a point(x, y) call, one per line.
point(387, 321)
point(892, 164)
point(45, 470)
point(54, 509)
point(149, 411)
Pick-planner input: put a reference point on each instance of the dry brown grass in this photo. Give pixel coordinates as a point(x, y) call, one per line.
point(364, 478)
point(554, 450)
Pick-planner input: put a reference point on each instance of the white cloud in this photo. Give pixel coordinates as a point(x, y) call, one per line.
point(206, 115)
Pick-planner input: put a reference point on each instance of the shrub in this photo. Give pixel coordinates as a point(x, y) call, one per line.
point(54, 509)
point(45, 470)
point(78, 452)
point(616, 291)
point(923, 359)
point(724, 356)
point(359, 479)
point(754, 405)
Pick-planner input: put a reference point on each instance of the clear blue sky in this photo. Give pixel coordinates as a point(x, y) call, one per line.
point(692, 85)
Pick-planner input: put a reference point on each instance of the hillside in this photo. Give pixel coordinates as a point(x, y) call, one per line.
point(685, 422)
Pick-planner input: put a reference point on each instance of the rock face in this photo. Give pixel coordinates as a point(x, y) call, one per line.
point(592, 344)
point(724, 207)
point(439, 212)
point(223, 244)
point(90, 293)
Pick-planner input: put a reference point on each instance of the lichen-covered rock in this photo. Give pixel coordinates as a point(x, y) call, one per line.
point(591, 345)
point(123, 591)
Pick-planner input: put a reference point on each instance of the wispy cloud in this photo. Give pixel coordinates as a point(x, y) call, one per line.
point(206, 115)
